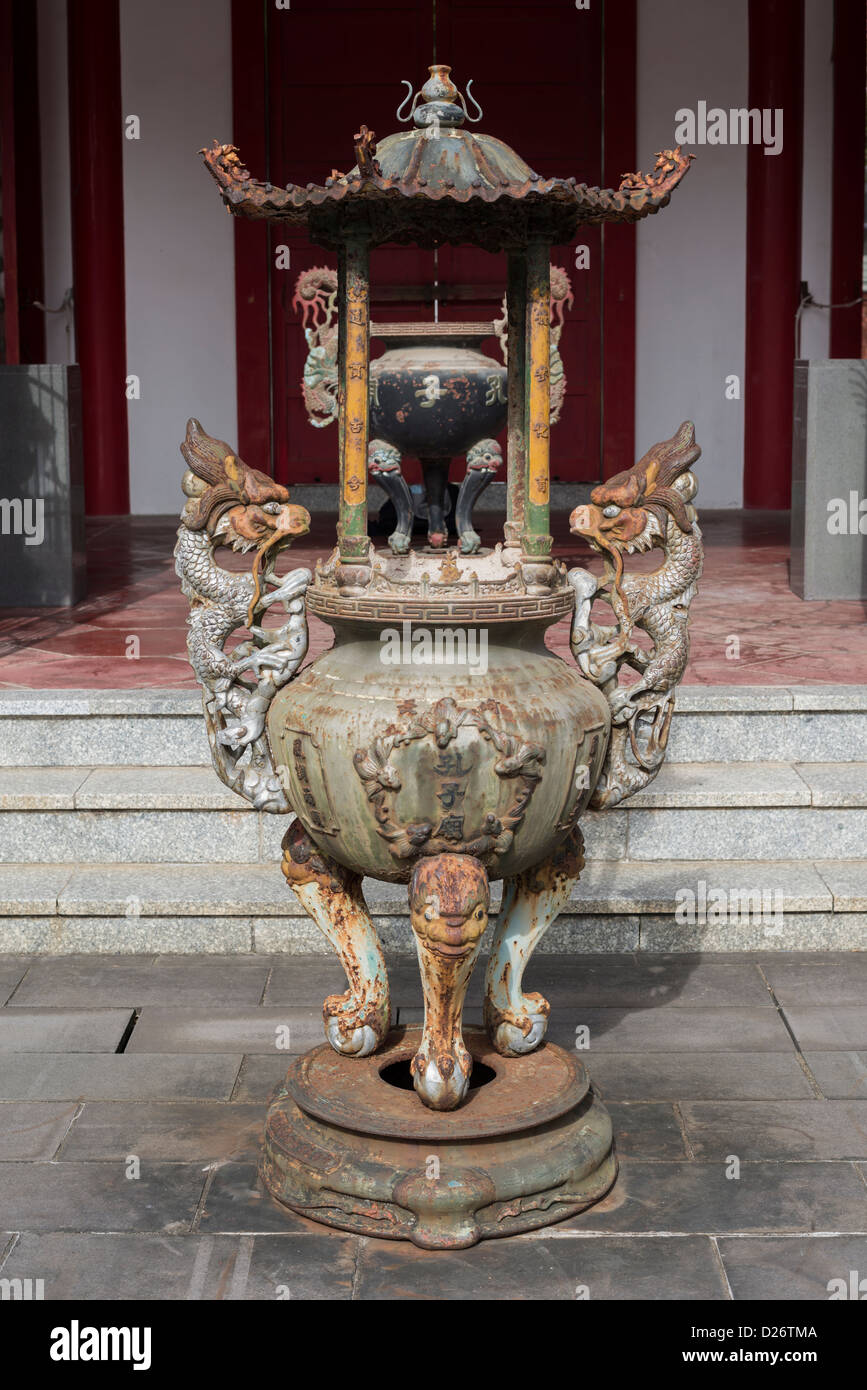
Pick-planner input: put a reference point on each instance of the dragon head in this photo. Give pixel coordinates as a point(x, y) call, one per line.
point(449, 899)
point(235, 505)
point(631, 511)
point(486, 456)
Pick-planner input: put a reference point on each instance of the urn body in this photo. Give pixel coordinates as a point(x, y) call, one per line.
point(388, 752)
point(436, 398)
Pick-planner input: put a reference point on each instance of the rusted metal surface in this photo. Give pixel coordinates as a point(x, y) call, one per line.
point(357, 1020)
point(346, 1148)
point(516, 1022)
point(353, 296)
point(494, 610)
point(448, 912)
point(527, 1092)
point(516, 349)
point(484, 205)
point(536, 539)
point(441, 183)
point(518, 764)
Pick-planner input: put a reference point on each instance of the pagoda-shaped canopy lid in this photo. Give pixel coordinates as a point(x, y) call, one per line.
point(440, 155)
point(442, 181)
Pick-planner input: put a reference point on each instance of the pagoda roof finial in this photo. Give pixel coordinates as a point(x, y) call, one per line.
point(442, 103)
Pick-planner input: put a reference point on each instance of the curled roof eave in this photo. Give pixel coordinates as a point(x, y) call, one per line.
point(638, 195)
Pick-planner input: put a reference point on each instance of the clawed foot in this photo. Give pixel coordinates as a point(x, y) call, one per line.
point(442, 1081)
point(399, 543)
point(355, 1028)
point(515, 1033)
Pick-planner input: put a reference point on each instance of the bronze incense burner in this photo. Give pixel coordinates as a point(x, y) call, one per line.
point(438, 743)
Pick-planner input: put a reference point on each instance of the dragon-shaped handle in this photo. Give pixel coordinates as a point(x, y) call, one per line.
point(648, 506)
point(237, 507)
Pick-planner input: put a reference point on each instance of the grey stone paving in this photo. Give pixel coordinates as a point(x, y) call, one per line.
point(133, 1089)
point(66, 1030)
point(290, 1029)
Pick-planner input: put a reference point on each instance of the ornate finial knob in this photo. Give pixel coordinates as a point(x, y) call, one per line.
point(442, 103)
point(439, 86)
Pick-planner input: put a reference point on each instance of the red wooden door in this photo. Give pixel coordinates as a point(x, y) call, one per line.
point(537, 72)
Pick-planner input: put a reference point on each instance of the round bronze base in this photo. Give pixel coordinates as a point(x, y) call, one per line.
point(349, 1143)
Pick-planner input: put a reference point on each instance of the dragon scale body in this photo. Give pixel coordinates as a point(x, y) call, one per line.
point(658, 602)
point(647, 507)
point(219, 602)
point(233, 505)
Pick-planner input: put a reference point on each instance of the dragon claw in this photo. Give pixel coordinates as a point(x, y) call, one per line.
point(583, 582)
point(355, 1025)
point(510, 1040)
point(289, 588)
point(361, 1042)
point(444, 1082)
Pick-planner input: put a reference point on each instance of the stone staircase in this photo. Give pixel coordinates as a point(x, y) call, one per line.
point(116, 834)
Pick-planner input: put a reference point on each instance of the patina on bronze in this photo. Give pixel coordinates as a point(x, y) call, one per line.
point(404, 755)
point(347, 1146)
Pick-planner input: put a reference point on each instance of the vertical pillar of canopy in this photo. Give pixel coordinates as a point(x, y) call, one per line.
point(537, 540)
point(516, 309)
point(353, 361)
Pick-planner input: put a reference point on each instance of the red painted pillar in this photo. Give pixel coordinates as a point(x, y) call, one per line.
point(28, 164)
point(776, 36)
point(620, 40)
point(847, 193)
point(21, 180)
point(10, 344)
point(252, 239)
point(96, 170)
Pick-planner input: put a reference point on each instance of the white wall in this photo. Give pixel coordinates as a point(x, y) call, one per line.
point(180, 303)
point(54, 154)
point(690, 311)
point(818, 159)
point(691, 296)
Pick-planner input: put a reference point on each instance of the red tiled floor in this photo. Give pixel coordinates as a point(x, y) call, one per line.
point(134, 592)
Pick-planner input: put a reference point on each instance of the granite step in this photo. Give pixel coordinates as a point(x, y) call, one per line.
point(238, 908)
point(692, 811)
point(152, 727)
